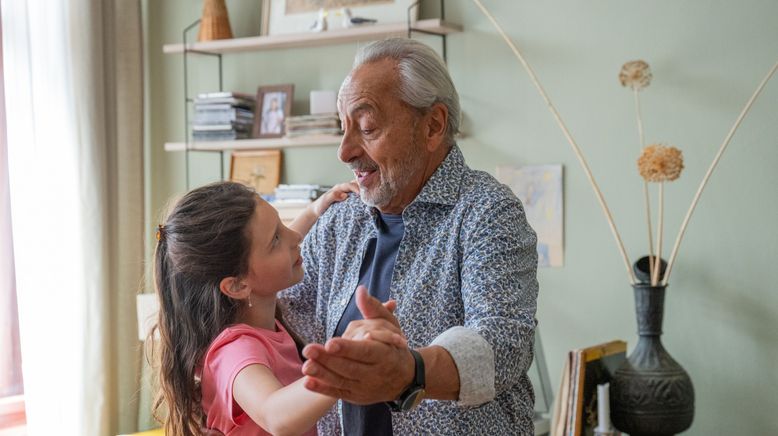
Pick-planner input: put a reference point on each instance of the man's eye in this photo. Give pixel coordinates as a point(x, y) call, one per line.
point(367, 131)
point(276, 238)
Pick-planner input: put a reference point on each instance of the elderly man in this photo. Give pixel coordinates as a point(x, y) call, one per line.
point(451, 245)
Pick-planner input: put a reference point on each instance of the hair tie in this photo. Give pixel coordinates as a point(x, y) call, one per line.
point(160, 232)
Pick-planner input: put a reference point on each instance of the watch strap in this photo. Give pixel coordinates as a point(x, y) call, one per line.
point(418, 384)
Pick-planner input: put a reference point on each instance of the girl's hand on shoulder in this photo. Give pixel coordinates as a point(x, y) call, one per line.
point(338, 193)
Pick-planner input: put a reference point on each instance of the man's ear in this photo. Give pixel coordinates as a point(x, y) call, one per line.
point(437, 120)
point(234, 288)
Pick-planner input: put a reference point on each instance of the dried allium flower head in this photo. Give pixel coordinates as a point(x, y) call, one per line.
point(635, 74)
point(660, 164)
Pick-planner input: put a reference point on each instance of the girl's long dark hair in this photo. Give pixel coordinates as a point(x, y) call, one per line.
point(204, 239)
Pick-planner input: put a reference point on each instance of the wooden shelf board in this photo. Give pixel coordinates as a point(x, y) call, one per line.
point(257, 144)
point(337, 36)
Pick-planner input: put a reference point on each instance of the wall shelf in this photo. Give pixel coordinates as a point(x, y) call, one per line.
point(337, 36)
point(257, 144)
point(435, 26)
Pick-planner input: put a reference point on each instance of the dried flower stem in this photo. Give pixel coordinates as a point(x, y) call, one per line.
point(713, 164)
point(640, 118)
point(569, 138)
point(645, 185)
point(657, 262)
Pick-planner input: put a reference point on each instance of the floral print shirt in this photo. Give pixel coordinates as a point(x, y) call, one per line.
point(464, 279)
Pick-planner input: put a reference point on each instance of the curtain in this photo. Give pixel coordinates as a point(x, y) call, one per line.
point(10, 357)
point(73, 81)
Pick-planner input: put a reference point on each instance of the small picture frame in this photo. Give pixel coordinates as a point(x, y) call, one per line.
point(260, 170)
point(274, 104)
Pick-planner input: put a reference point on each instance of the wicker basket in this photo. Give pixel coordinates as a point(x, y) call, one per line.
point(215, 23)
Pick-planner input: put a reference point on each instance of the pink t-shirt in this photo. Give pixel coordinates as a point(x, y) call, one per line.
point(237, 347)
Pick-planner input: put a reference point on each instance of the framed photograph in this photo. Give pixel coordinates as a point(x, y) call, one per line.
point(274, 103)
point(260, 170)
point(299, 16)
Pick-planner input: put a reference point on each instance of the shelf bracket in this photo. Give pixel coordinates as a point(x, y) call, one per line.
point(188, 100)
point(411, 29)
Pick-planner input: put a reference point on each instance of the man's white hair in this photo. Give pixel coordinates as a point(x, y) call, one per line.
point(424, 78)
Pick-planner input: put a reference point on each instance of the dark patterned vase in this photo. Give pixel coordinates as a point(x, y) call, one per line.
point(651, 394)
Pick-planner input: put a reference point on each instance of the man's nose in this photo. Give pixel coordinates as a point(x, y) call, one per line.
point(349, 148)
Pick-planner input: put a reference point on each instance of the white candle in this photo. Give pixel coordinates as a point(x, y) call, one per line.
point(603, 408)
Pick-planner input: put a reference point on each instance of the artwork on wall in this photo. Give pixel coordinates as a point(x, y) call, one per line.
point(539, 187)
point(260, 170)
point(273, 106)
point(298, 16)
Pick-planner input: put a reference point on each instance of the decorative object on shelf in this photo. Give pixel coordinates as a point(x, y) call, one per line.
point(296, 16)
point(215, 22)
point(349, 20)
point(651, 394)
point(320, 25)
point(260, 170)
point(274, 104)
point(539, 187)
point(323, 102)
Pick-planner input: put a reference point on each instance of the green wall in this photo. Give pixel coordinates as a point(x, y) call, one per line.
point(721, 320)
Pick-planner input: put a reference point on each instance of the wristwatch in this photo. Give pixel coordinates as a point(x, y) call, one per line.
point(414, 393)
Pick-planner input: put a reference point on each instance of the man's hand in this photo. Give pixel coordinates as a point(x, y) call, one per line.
point(362, 371)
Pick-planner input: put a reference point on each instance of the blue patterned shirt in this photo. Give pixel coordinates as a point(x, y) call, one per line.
point(464, 279)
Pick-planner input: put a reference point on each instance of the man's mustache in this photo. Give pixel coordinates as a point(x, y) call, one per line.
point(363, 165)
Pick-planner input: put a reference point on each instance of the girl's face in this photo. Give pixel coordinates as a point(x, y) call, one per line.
point(274, 262)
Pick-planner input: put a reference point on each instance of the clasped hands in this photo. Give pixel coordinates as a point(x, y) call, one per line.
point(370, 363)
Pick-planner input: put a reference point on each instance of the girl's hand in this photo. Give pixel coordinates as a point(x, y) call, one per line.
point(338, 193)
point(377, 329)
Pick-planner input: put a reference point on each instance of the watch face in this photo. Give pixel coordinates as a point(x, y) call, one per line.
point(413, 399)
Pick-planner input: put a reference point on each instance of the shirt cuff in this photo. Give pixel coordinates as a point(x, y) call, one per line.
point(474, 359)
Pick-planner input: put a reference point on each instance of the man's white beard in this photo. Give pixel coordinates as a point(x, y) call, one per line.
point(389, 186)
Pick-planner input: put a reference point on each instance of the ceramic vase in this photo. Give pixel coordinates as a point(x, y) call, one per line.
point(651, 394)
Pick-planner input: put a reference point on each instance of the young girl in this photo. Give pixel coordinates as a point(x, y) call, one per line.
point(227, 362)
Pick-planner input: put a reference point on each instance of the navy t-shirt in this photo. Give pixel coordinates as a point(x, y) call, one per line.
point(376, 274)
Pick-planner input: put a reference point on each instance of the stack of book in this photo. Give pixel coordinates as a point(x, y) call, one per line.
point(291, 200)
point(319, 124)
point(575, 406)
point(222, 116)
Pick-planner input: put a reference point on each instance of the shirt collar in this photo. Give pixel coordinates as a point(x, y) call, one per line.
point(444, 185)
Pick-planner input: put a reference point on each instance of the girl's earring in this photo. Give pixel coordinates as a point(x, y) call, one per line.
point(250, 305)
